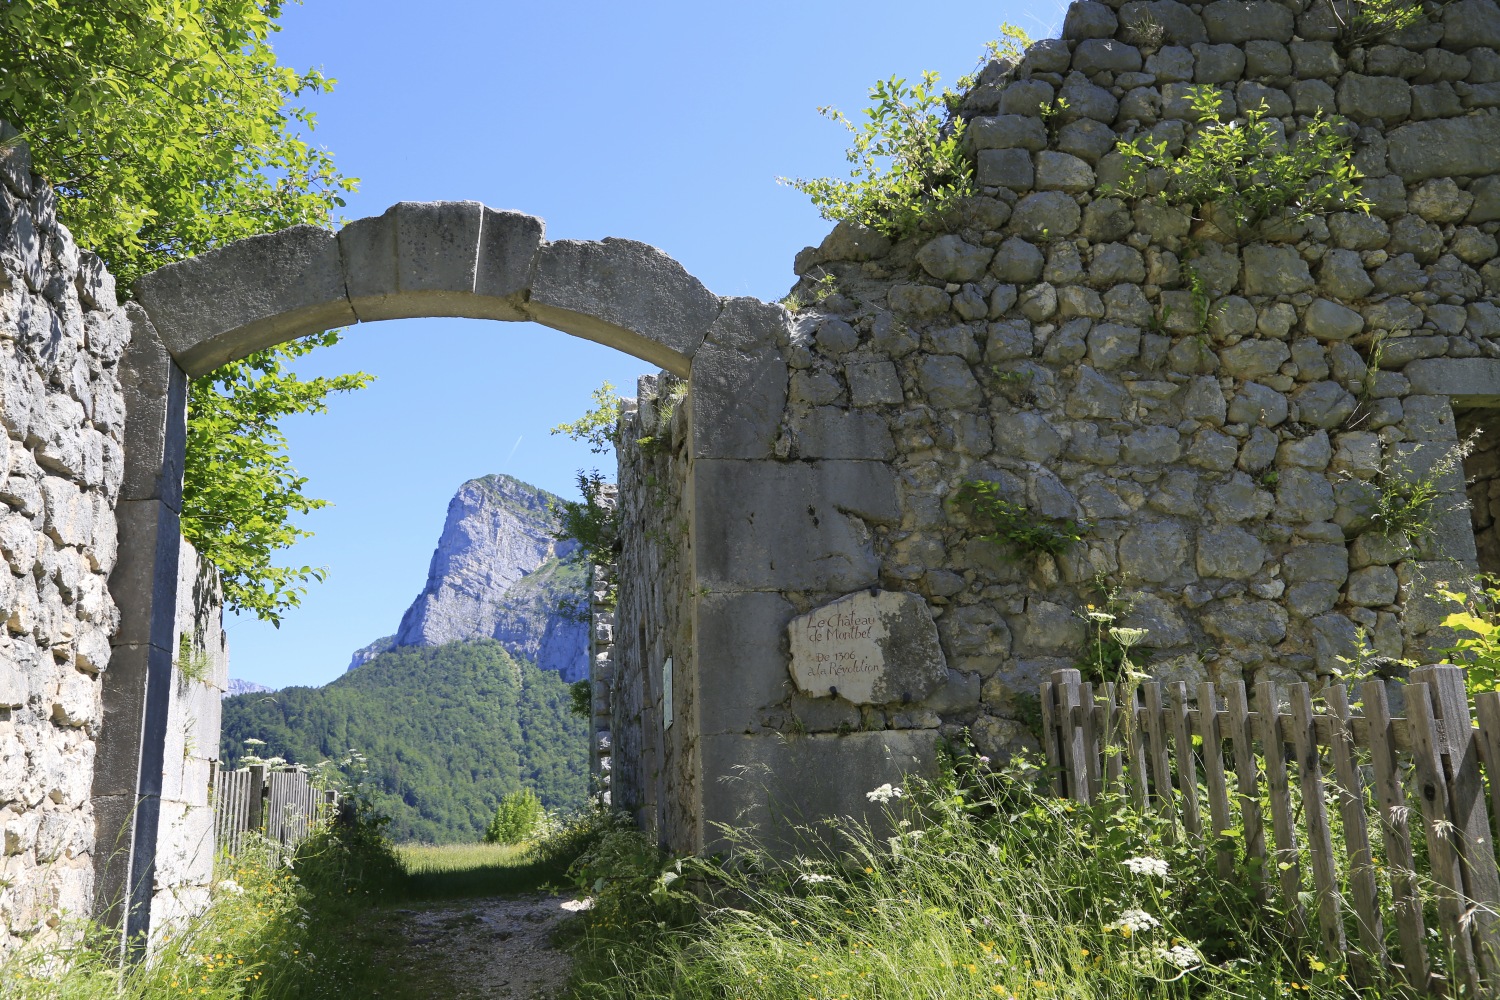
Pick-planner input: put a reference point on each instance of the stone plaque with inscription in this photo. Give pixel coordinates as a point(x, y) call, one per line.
point(871, 648)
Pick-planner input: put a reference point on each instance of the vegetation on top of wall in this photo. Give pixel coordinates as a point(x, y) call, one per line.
point(1012, 526)
point(167, 129)
point(1366, 20)
point(909, 161)
point(1242, 177)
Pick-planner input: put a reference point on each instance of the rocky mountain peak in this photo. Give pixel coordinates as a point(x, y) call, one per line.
point(498, 573)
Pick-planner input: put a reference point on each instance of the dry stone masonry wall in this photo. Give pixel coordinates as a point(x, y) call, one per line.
point(1046, 339)
point(656, 770)
point(61, 463)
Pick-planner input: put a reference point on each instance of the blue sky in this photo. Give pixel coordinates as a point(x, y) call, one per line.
point(664, 122)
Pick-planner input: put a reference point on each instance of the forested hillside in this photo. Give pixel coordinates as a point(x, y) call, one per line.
point(447, 729)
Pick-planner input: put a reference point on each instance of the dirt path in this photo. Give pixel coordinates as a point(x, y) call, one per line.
point(489, 949)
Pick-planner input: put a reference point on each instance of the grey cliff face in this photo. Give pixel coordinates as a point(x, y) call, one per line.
point(498, 573)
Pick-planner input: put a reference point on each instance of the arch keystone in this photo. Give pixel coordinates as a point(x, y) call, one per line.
point(439, 258)
point(265, 290)
point(625, 295)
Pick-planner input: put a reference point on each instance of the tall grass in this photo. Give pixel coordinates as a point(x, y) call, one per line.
point(978, 888)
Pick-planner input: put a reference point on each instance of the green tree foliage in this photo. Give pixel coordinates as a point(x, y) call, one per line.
point(166, 129)
point(239, 488)
point(516, 818)
point(447, 731)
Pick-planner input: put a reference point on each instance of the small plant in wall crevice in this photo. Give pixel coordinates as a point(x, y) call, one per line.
point(1011, 526)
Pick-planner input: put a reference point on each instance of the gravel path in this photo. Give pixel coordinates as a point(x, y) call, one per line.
point(488, 949)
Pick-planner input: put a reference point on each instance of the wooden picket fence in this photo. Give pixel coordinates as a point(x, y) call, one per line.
point(1432, 766)
point(283, 806)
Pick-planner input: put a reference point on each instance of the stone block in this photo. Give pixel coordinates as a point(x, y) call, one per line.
point(1445, 147)
point(144, 581)
point(741, 659)
point(833, 432)
point(1473, 382)
point(776, 784)
point(1007, 168)
point(874, 383)
point(778, 526)
point(870, 648)
point(155, 391)
point(949, 258)
point(415, 259)
point(1006, 132)
point(625, 295)
point(1275, 270)
point(244, 297)
point(1238, 21)
point(739, 383)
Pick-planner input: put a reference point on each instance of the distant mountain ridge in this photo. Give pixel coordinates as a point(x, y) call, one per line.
point(237, 686)
point(446, 730)
point(498, 573)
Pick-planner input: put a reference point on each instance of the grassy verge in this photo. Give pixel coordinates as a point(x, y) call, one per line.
point(323, 927)
point(979, 887)
point(471, 871)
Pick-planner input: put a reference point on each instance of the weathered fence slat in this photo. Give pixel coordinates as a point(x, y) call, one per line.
point(1247, 785)
point(1432, 793)
point(1113, 739)
point(1161, 774)
point(1319, 834)
point(1469, 813)
point(1089, 735)
point(1390, 793)
point(1067, 684)
point(1051, 738)
point(1369, 961)
point(1214, 776)
point(1135, 746)
point(1187, 771)
point(284, 806)
point(1288, 864)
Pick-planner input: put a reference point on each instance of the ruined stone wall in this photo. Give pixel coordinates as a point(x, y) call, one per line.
point(1044, 338)
point(200, 674)
point(61, 462)
point(655, 769)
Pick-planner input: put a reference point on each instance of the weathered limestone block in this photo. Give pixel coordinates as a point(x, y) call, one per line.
point(626, 295)
point(772, 525)
point(951, 259)
point(265, 290)
point(1449, 147)
point(868, 648)
point(1238, 21)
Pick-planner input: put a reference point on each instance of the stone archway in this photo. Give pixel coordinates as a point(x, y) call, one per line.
point(416, 259)
point(761, 532)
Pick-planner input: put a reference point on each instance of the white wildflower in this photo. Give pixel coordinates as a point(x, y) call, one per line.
point(815, 877)
point(1180, 955)
point(884, 793)
point(1136, 921)
point(232, 887)
point(1147, 866)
